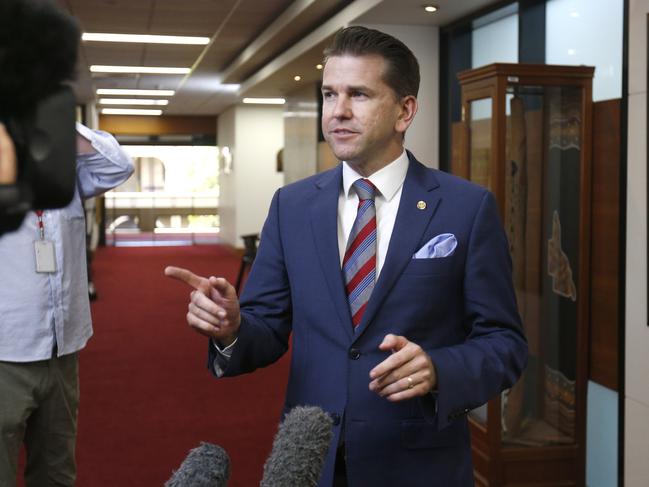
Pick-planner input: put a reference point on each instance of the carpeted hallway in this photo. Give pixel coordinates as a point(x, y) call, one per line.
point(146, 395)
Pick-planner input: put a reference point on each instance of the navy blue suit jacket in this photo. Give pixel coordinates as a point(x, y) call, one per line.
point(460, 309)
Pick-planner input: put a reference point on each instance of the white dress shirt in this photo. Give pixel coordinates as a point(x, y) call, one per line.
point(389, 182)
point(38, 310)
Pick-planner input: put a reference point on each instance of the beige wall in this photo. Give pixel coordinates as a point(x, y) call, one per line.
point(636, 464)
point(254, 134)
point(227, 185)
point(301, 124)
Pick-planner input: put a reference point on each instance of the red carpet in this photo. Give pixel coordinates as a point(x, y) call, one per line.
point(146, 395)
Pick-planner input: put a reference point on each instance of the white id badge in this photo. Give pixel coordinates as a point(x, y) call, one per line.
point(45, 259)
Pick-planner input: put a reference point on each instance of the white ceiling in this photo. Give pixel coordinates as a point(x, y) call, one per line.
point(258, 44)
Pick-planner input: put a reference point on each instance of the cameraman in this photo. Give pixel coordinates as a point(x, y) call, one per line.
point(45, 319)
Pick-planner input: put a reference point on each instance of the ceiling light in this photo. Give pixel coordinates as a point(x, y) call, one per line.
point(129, 111)
point(119, 91)
point(297, 77)
point(430, 8)
point(318, 66)
point(147, 39)
point(137, 69)
point(131, 101)
point(228, 87)
point(265, 101)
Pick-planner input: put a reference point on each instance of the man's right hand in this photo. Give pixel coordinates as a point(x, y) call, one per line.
point(213, 306)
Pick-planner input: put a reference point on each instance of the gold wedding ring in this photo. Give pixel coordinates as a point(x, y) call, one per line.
point(410, 383)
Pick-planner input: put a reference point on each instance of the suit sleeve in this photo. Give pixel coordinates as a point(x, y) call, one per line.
point(495, 352)
point(265, 305)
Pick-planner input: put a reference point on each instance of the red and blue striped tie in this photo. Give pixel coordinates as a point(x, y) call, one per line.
point(359, 263)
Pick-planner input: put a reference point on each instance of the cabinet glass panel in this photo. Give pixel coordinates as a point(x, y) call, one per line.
point(542, 192)
point(480, 121)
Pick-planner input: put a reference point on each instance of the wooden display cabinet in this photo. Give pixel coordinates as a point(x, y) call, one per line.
point(526, 135)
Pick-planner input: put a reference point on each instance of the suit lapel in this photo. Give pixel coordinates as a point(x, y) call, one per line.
point(324, 224)
point(409, 226)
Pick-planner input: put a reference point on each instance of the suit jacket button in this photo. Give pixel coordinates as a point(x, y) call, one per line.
point(354, 353)
point(335, 417)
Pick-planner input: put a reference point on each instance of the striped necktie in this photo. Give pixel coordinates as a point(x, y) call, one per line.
point(359, 263)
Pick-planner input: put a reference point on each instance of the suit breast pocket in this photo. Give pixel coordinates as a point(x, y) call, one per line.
point(431, 267)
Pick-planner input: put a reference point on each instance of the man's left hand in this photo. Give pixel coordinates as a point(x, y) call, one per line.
point(408, 372)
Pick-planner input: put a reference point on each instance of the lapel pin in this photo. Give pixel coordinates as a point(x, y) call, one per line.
point(421, 205)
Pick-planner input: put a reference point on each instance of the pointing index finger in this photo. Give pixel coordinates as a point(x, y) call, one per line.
point(188, 277)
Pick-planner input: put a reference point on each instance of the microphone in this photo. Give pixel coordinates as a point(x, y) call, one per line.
point(207, 465)
point(299, 449)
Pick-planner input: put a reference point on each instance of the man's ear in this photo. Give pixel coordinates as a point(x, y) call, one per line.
point(408, 106)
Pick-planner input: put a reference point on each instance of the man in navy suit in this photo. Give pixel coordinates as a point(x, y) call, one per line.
point(434, 331)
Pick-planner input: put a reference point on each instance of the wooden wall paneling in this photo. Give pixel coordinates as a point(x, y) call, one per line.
point(164, 125)
point(604, 323)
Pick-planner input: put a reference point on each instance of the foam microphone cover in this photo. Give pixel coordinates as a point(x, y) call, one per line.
point(299, 449)
point(207, 465)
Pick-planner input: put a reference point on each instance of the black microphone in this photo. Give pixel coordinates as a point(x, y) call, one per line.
point(299, 449)
point(207, 465)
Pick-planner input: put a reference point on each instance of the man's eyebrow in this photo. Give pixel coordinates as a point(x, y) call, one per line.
point(363, 88)
point(348, 88)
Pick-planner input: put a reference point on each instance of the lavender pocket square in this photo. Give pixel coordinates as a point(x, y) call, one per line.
point(443, 245)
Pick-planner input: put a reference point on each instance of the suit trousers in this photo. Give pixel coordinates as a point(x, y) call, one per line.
point(38, 406)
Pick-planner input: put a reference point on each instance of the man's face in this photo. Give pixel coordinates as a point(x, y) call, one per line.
point(362, 119)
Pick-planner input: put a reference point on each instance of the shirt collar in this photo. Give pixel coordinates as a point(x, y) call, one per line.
point(387, 180)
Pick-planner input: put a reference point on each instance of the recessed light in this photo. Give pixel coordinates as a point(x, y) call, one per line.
point(137, 69)
point(430, 8)
point(227, 87)
point(265, 101)
point(297, 77)
point(318, 66)
point(131, 101)
point(146, 39)
point(129, 111)
point(120, 91)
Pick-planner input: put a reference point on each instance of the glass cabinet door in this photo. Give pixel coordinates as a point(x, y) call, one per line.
point(480, 144)
point(542, 214)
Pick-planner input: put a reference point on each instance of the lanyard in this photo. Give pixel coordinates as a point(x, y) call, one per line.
point(41, 227)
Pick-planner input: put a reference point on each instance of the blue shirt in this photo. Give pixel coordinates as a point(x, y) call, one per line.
point(38, 310)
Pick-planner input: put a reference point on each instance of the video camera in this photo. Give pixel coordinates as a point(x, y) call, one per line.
point(38, 53)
